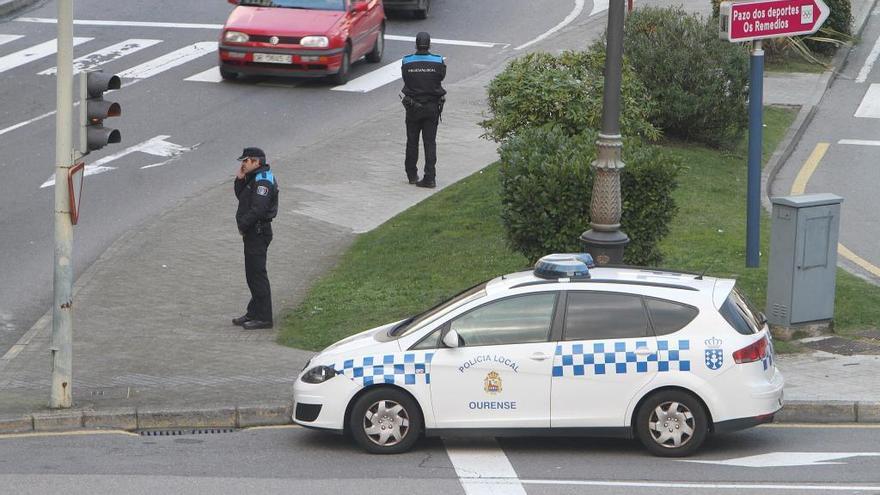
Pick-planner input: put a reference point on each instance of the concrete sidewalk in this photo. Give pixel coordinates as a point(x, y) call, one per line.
point(153, 344)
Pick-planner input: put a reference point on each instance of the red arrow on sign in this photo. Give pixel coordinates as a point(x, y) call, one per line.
point(749, 20)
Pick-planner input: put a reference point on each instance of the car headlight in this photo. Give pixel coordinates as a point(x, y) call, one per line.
point(235, 37)
point(319, 374)
point(315, 41)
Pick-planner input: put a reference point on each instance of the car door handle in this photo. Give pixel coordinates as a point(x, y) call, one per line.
point(539, 356)
point(644, 351)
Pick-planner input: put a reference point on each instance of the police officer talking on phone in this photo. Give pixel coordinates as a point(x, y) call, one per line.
point(423, 98)
point(257, 193)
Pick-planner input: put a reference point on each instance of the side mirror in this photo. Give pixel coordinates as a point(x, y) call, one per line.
point(451, 339)
point(361, 6)
point(233, 2)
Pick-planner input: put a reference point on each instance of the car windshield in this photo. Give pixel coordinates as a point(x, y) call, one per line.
point(418, 321)
point(298, 4)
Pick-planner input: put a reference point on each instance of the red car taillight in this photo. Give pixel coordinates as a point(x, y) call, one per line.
point(755, 351)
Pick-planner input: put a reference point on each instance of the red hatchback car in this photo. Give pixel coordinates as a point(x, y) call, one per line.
point(303, 38)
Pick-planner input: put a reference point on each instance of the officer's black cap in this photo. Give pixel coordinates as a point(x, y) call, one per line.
point(252, 153)
point(423, 41)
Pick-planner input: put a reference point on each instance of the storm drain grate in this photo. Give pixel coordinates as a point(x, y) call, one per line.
point(185, 431)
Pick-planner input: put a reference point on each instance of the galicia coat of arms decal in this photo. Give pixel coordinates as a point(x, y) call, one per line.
point(714, 353)
point(492, 383)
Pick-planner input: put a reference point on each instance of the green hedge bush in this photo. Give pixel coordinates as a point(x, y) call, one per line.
point(839, 20)
point(546, 185)
point(700, 82)
point(565, 90)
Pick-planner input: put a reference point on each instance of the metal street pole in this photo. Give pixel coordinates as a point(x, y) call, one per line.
point(605, 241)
point(62, 327)
point(756, 130)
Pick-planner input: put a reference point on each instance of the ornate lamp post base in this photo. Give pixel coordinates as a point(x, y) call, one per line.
point(605, 247)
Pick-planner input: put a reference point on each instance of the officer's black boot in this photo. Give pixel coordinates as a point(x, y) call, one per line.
point(241, 320)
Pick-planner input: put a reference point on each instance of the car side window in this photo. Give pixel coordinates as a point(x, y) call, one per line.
point(515, 320)
point(432, 341)
point(668, 316)
point(604, 315)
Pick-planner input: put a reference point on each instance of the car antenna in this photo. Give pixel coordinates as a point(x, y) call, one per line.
point(700, 276)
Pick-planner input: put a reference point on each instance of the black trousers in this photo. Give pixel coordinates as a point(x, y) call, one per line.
point(255, 248)
point(422, 122)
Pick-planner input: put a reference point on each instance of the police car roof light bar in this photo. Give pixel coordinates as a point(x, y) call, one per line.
point(564, 265)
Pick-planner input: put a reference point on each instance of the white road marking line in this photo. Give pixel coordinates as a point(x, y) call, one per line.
point(861, 142)
point(35, 52)
point(210, 75)
point(709, 486)
point(869, 108)
point(599, 6)
point(80, 22)
point(786, 459)
point(482, 468)
point(156, 146)
point(6, 38)
point(372, 80)
point(869, 62)
point(26, 122)
point(440, 41)
point(105, 55)
point(169, 61)
point(578, 8)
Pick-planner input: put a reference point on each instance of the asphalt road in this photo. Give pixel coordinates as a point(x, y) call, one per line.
point(848, 121)
point(295, 460)
point(206, 123)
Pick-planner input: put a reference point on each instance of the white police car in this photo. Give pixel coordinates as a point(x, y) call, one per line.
point(562, 350)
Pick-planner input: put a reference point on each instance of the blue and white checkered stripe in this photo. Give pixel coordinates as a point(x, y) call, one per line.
point(403, 368)
point(619, 357)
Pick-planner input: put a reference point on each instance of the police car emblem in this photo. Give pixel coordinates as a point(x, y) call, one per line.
point(714, 353)
point(274, 40)
point(262, 190)
point(492, 383)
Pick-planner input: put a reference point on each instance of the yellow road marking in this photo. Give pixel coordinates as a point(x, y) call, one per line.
point(39, 434)
point(800, 182)
point(800, 185)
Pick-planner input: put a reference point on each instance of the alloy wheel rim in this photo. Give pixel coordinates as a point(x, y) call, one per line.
point(671, 424)
point(386, 423)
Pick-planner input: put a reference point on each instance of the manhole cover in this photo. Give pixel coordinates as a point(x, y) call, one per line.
point(845, 347)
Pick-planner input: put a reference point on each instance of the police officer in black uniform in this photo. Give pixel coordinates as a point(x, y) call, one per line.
point(257, 193)
point(423, 98)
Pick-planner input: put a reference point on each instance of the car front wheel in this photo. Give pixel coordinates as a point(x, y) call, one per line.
point(227, 75)
point(385, 421)
point(341, 77)
point(672, 424)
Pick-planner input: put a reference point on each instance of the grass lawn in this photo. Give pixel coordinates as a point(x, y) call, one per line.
point(454, 239)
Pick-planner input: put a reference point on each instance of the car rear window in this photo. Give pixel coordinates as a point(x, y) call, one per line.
point(741, 314)
point(668, 316)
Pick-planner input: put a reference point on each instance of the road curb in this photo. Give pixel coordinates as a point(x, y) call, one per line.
point(273, 414)
point(148, 418)
point(9, 6)
point(805, 115)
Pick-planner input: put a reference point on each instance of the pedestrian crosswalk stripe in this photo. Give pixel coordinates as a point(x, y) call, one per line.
point(105, 55)
point(35, 52)
point(373, 80)
point(870, 106)
point(6, 38)
point(210, 75)
point(88, 22)
point(170, 60)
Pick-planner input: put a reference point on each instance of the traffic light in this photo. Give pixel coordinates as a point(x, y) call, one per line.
point(94, 109)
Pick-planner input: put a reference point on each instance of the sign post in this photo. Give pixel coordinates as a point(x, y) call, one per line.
point(756, 20)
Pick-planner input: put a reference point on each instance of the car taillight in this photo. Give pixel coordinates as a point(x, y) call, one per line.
point(755, 351)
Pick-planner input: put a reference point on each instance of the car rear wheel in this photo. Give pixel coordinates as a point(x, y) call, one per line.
point(422, 13)
point(341, 77)
point(672, 424)
point(385, 421)
point(228, 75)
point(378, 49)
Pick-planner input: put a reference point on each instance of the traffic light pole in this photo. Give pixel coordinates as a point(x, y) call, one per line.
point(62, 321)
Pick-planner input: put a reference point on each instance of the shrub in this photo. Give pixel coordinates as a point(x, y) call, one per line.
point(546, 185)
point(840, 24)
point(565, 90)
point(700, 82)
